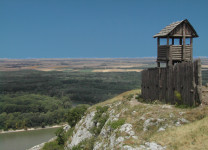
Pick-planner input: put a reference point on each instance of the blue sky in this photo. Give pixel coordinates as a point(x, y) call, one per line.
point(94, 28)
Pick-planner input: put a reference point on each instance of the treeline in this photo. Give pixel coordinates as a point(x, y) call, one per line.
point(30, 98)
point(22, 110)
point(79, 86)
point(25, 103)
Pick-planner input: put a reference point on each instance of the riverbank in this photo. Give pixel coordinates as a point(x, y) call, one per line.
point(31, 129)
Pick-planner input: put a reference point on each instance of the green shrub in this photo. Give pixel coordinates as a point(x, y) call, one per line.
point(139, 98)
point(53, 145)
point(100, 111)
point(180, 103)
point(182, 106)
point(148, 101)
point(69, 133)
point(178, 95)
point(116, 124)
point(60, 136)
point(101, 118)
point(78, 147)
point(75, 114)
point(85, 144)
point(129, 97)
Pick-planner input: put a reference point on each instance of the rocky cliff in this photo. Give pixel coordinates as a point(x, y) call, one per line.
point(126, 123)
point(130, 124)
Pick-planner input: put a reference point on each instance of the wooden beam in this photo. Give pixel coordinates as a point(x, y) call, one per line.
point(169, 53)
point(180, 41)
point(167, 40)
point(170, 56)
point(158, 64)
point(191, 44)
point(172, 41)
point(158, 43)
point(184, 40)
point(199, 73)
point(178, 36)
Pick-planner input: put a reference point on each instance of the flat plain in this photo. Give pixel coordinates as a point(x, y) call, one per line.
point(84, 64)
point(79, 64)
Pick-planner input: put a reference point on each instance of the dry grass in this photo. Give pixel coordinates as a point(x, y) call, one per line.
point(117, 70)
point(75, 70)
point(60, 67)
point(190, 136)
point(34, 67)
point(193, 135)
point(49, 69)
point(129, 142)
point(94, 63)
point(120, 97)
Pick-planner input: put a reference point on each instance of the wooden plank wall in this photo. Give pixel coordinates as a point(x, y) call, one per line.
point(150, 82)
point(161, 83)
point(162, 52)
point(176, 52)
point(188, 52)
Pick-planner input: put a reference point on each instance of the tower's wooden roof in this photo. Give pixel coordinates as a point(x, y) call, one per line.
point(169, 29)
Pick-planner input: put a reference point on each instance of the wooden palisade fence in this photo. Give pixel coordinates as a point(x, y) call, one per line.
point(161, 83)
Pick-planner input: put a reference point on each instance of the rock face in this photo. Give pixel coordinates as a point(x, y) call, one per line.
point(66, 128)
point(109, 137)
point(127, 126)
point(82, 130)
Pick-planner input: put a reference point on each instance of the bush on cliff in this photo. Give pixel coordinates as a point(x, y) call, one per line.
point(75, 114)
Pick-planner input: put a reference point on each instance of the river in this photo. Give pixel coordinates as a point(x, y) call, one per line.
point(27, 139)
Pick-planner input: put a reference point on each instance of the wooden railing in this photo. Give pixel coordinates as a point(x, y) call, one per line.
point(176, 51)
point(162, 52)
point(188, 52)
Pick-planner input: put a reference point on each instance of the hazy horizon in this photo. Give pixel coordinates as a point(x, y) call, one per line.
point(94, 57)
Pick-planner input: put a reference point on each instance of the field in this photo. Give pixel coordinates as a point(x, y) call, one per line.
point(84, 64)
point(87, 65)
point(78, 64)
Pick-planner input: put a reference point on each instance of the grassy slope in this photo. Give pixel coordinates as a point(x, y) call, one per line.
point(193, 135)
point(190, 136)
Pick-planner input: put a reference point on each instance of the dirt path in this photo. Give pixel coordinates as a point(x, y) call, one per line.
point(134, 101)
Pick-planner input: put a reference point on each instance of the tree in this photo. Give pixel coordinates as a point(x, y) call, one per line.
point(67, 105)
point(3, 117)
point(60, 136)
point(43, 125)
point(75, 114)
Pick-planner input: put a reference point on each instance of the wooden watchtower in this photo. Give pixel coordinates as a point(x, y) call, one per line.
point(171, 53)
